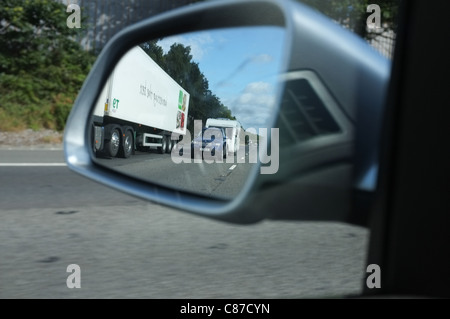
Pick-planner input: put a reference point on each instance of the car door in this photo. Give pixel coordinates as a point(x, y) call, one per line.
point(407, 212)
point(409, 219)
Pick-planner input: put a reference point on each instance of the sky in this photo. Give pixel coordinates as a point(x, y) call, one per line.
point(241, 66)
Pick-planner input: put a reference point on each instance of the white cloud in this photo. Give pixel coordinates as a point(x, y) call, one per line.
point(262, 58)
point(254, 106)
point(258, 88)
point(198, 42)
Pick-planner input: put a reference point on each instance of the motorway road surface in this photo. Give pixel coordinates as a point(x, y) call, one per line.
point(224, 179)
point(127, 248)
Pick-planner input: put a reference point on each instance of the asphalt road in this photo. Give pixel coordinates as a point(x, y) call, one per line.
point(214, 177)
point(127, 248)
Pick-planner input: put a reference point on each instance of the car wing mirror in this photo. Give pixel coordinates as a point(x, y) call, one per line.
point(278, 72)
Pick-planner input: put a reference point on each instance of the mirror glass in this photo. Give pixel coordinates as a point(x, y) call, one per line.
point(192, 111)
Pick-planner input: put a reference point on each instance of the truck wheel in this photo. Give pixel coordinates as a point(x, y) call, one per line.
point(162, 148)
point(127, 145)
point(170, 144)
point(113, 145)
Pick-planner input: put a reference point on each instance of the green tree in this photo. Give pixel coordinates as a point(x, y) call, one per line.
point(178, 64)
point(154, 51)
point(42, 68)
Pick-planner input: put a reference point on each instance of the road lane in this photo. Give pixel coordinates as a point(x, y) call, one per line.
point(11, 157)
point(153, 252)
point(129, 248)
point(54, 187)
point(211, 179)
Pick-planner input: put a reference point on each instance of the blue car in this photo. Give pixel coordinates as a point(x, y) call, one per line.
point(210, 141)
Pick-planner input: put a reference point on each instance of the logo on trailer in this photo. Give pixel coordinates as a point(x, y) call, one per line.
point(115, 105)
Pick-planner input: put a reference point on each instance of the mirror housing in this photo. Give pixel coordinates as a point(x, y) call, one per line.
point(318, 173)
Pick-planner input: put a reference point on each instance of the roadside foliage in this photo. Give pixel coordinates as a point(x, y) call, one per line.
point(42, 67)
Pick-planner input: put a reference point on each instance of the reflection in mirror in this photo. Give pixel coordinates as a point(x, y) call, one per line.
point(190, 112)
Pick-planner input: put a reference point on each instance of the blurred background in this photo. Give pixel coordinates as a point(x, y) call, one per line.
point(43, 63)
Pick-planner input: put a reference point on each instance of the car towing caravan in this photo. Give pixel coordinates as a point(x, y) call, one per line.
point(232, 129)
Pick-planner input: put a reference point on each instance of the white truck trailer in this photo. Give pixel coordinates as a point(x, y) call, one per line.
point(139, 108)
point(233, 130)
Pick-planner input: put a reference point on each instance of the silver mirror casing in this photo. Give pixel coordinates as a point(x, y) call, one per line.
point(342, 69)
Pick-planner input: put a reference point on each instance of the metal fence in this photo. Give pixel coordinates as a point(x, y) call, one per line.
point(383, 42)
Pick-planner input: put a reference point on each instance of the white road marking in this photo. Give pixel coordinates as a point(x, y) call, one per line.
point(32, 164)
point(232, 167)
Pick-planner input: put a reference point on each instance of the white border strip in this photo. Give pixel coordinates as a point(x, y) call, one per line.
point(32, 164)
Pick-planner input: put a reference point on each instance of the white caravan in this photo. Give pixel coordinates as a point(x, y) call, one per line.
point(233, 130)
